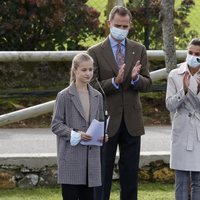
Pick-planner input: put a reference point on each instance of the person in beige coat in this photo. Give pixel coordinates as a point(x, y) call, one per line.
point(79, 167)
point(183, 100)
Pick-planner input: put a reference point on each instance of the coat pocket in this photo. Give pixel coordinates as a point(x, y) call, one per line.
point(177, 124)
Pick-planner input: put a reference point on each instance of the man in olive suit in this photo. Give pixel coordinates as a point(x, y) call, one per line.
point(121, 67)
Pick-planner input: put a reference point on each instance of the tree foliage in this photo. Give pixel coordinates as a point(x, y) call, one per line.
point(46, 24)
point(147, 27)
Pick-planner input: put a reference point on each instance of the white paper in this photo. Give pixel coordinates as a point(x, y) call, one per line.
point(96, 130)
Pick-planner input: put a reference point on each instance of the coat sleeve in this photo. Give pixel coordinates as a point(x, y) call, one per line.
point(58, 125)
point(174, 98)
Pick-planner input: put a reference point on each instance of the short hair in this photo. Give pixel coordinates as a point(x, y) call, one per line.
point(121, 11)
point(195, 41)
point(80, 57)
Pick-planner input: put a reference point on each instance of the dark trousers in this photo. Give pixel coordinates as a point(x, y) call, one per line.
point(77, 192)
point(129, 148)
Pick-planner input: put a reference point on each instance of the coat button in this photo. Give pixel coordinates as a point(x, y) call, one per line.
point(189, 115)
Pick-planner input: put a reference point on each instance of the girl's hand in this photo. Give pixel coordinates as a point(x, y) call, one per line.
point(84, 136)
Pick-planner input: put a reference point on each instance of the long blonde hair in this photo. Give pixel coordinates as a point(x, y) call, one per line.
point(76, 63)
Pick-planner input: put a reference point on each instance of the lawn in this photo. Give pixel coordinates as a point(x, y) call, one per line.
point(193, 17)
point(150, 191)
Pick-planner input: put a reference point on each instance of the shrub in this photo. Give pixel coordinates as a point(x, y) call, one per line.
point(147, 25)
point(46, 24)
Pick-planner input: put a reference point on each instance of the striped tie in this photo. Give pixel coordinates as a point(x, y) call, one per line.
point(119, 55)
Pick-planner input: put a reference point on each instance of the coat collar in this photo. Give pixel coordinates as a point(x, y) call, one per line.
point(109, 57)
point(183, 68)
point(193, 83)
point(93, 97)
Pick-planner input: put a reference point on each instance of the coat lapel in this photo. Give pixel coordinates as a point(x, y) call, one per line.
point(93, 103)
point(193, 83)
point(129, 57)
point(76, 101)
point(108, 55)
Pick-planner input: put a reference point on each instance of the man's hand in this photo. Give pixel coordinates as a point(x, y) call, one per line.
point(120, 76)
point(106, 139)
point(186, 81)
point(136, 70)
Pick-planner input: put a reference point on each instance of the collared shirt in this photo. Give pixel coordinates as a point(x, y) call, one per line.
point(113, 44)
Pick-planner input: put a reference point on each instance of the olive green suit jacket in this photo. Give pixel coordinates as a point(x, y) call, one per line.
point(125, 101)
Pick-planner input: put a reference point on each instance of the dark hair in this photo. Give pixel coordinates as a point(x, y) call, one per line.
point(76, 63)
point(121, 11)
point(195, 41)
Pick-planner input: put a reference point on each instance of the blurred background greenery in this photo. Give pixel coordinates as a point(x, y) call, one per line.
point(78, 24)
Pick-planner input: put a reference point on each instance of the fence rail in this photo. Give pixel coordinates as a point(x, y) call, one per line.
point(61, 56)
point(47, 107)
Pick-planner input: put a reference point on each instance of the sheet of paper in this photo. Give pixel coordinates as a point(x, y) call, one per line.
point(96, 130)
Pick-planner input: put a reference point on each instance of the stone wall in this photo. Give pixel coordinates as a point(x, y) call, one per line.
point(23, 177)
point(19, 176)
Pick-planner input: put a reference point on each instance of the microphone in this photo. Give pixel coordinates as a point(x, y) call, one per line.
point(198, 60)
point(104, 98)
point(105, 106)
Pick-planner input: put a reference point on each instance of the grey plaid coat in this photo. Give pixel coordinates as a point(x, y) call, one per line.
point(76, 164)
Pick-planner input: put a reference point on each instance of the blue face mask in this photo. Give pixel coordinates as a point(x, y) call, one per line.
point(193, 61)
point(118, 34)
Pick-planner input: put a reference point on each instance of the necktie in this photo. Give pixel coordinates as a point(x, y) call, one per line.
point(119, 55)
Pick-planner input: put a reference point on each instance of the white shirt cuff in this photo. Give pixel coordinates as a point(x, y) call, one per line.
point(75, 138)
point(114, 84)
point(133, 82)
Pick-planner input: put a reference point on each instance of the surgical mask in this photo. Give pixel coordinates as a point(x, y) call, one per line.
point(193, 61)
point(118, 34)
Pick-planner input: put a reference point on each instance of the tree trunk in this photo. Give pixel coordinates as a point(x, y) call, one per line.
point(167, 19)
point(147, 25)
point(110, 5)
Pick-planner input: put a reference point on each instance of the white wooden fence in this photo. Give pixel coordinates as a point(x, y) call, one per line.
point(36, 56)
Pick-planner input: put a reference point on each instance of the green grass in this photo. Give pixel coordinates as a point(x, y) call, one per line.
point(100, 6)
point(193, 17)
point(149, 191)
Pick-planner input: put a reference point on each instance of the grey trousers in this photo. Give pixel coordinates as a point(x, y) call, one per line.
point(187, 185)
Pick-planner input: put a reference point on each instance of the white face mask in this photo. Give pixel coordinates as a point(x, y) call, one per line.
point(118, 34)
point(193, 61)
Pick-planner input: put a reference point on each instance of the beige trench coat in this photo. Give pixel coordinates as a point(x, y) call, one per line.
point(185, 141)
